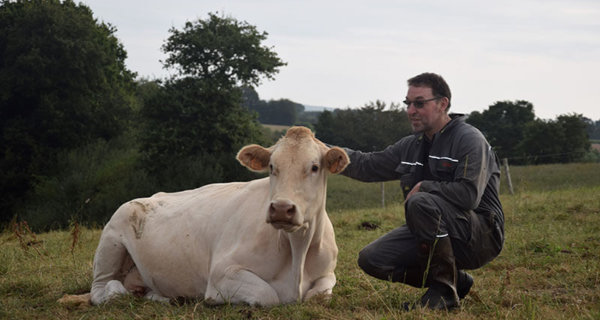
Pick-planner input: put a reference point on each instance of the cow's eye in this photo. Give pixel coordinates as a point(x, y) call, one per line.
point(315, 168)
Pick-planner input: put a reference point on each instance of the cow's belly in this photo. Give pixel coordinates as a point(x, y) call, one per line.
point(175, 264)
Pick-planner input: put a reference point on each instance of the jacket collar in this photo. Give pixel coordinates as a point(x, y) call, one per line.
point(455, 119)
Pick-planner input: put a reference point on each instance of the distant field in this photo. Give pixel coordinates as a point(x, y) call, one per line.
point(276, 127)
point(549, 268)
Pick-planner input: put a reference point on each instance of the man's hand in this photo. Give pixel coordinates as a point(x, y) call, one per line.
point(414, 190)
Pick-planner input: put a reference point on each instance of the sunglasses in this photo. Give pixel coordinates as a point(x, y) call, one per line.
point(419, 103)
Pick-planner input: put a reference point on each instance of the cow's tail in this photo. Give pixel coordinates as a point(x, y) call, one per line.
point(74, 300)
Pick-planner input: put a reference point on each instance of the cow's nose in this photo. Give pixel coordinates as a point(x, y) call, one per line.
point(282, 211)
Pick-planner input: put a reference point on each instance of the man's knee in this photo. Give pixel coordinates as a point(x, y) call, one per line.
point(424, 216)
point(364, 261)
point(418, 206)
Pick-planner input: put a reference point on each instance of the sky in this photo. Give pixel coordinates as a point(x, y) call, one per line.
point(345, 54)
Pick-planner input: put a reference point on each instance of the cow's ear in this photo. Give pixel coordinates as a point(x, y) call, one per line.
point(254, 157)
point(336, 160)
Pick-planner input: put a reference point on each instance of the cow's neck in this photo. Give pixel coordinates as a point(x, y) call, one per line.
point(300, 242)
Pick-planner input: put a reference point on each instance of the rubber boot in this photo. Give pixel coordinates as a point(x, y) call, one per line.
point(414, 277)
point(411, 276)
point(464, 282)
point(440, 267)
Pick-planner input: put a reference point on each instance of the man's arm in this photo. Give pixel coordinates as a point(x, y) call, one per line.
point(374, 166)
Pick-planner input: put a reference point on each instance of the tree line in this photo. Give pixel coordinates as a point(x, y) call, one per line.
point(511, 127)
point(80, 135)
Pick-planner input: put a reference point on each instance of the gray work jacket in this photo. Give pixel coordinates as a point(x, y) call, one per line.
point(466, 170)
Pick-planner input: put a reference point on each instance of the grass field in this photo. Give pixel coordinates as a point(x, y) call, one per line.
point(549, 268)
point(276, 127)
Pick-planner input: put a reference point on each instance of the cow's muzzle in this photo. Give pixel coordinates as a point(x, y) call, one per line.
point(282, 215)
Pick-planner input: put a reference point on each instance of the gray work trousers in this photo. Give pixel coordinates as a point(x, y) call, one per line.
point(476, 239)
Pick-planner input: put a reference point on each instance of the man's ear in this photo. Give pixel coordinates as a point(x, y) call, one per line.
point(254, 157)
point(336, 160)
point(445, 102)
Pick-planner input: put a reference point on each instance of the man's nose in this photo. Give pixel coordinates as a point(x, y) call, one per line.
point(410, 109)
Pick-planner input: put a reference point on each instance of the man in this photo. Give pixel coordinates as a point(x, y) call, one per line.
point(450, 178)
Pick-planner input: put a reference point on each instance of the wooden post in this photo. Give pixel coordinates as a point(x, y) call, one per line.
point(510, 186)
point(382, 195)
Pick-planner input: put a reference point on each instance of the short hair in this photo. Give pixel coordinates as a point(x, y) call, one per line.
point(438, 85)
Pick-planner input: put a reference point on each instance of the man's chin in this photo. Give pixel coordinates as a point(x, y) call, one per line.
point(417, 129)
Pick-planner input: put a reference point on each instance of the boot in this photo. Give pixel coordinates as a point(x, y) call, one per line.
point(414, 277)
point(438, 259)
point(464, 282)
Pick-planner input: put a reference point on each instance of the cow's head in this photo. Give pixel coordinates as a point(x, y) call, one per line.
point(298, 165)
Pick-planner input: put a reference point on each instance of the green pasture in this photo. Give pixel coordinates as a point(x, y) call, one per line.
point(549, 268)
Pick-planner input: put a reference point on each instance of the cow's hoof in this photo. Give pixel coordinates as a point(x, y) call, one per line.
point(322, 298)
point(210, 302)
point(157, 297)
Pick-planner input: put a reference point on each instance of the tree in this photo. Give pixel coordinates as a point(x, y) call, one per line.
point(562, 140)
point(222, 51)
point(280, 112)
point(372, 127)
point(195, 123)
point(541, 143)
point(515, 133)
point(577, 142)
point(503, 124)
point(63, 84)
point(593, 128)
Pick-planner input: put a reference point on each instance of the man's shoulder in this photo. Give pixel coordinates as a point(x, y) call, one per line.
point(460, 124)
point(411, 139)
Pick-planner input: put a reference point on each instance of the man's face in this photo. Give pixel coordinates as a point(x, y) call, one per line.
point(429, 119)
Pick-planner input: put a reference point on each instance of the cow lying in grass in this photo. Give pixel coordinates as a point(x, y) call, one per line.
point(264, 242)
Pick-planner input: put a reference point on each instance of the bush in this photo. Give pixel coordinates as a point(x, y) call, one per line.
point(190, 173)
point(591, 156)
point(91, 184)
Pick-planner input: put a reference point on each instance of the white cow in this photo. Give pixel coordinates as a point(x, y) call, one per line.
point(263, 242)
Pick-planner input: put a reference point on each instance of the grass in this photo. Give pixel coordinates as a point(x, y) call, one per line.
point(549, 268)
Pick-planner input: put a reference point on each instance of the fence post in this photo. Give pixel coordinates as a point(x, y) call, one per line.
point(382, 195)
point(510, 186)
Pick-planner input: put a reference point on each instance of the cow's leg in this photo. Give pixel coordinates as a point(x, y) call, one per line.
point(322, 286)
point(238, 285)
point(135, 285)
point(108, 263)
point(151, 295)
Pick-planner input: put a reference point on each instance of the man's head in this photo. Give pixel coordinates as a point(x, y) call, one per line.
point(438, 85)
point(427, 103)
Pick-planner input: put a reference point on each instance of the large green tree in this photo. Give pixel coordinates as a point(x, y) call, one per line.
point(222, 51)
point(195, 123)
point(63, 84)
point(503, 124)
point(541, 143)
point(577, 141)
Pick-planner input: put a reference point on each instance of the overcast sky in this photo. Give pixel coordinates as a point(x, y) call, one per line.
point(348, 53)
